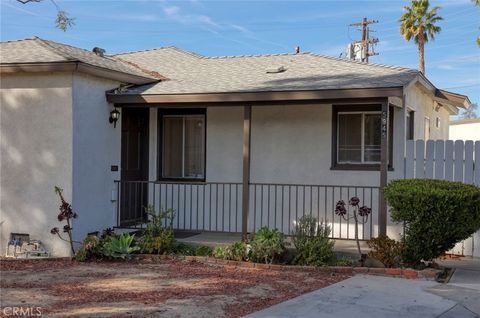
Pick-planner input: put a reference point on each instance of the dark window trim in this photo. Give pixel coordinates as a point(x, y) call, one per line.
point(183, 111)
point(359, 108)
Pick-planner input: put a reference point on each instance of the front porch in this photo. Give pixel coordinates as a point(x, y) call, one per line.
point(217, 207)
point(233, 169)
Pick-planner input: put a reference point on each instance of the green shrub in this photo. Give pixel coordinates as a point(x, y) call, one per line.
point(312, 242)
point(184, 249)
point(120, 246)
point(92, 246)
point(81, 255)
point(238, 251)
point(386, 250)
point(222, 252)
point(90, 249)
point(344, 261)
point(158, 238)
point(437, 215)
point(267, 244)
point(162, 243)
point(204, 251)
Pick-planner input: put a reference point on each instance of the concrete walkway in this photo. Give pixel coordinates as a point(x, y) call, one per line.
point(464, 285)
point(365, 296)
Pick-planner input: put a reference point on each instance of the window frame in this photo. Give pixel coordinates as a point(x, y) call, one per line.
point(359, 108)
point(410, 133)
point(362, 138)
point(425, 130)
point(160, 143)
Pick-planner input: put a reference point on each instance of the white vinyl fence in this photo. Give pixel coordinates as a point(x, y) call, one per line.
point(453, 160)
point(444, 160)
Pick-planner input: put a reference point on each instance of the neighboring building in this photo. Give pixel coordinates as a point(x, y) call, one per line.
point(465, 129)
point(54, 131)
point(268, 137)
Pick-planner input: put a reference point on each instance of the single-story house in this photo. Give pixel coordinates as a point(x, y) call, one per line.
point(231, 143)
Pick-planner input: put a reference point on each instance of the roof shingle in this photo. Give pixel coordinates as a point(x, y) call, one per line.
point(36, 50)
point(189, 73)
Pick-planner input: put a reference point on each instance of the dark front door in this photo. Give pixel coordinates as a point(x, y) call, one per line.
point(134, 173)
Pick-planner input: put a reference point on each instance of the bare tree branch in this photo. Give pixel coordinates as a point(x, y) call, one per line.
point(62, 21)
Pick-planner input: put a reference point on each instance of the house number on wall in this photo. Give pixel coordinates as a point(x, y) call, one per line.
point(384, 123)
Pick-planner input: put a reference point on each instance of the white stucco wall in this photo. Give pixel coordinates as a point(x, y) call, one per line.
point(424, 106)
point(289, 144)
point(96, 147)
point(36, 154)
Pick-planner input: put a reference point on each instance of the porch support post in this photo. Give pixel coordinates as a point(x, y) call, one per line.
point(247, 126)
point(382, 204)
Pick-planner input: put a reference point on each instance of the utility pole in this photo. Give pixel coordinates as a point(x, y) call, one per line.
point(366, 44)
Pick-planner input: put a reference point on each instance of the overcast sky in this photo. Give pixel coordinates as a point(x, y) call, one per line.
point(258, 27)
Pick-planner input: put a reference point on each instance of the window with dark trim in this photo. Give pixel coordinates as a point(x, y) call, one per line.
point(356, 132)
point(182, 140)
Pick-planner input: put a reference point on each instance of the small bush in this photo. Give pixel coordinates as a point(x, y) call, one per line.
point(344, 261)
point(90, 249)
point(437, 215)
point(162, 243)
point(238, 251)
point(184, 249)
point(267, 244)
point(157, 238)
point(311, 240)
point(92, 246)
point(386, 250)
point(204, 251)
point(222, 252)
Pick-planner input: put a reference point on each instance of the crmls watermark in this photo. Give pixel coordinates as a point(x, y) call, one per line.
point(21, 311)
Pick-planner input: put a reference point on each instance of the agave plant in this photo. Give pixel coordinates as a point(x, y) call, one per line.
point(120, 246)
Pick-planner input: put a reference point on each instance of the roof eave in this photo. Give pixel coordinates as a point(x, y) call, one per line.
point(454, 99)
point(451, 100)
point(71, 66)
point(38, 67)
point(253, 97)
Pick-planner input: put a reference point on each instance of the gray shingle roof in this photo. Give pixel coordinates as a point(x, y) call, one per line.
point(36, 50)
point(189, 73)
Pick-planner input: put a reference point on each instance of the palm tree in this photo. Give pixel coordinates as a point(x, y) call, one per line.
point(477, 3)
point(419, 23)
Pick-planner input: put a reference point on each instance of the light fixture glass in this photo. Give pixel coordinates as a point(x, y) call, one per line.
point(114, 116)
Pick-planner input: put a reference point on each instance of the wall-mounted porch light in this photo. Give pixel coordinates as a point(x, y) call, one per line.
point(114, 116)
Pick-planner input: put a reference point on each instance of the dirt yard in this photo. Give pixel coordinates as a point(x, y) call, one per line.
point(167, 289)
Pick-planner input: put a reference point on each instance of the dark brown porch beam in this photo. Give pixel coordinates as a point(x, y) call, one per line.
point(254, 97)
point(382, 204)
point(247, 126)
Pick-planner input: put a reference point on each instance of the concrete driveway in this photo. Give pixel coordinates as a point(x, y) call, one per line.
point(374, 296)
point(464, 285)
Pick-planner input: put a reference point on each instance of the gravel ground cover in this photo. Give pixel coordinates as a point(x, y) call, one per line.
point(168, 288)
